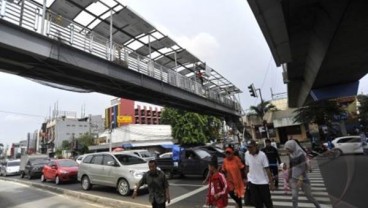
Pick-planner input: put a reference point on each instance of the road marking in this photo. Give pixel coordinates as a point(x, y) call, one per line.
point(193, 185)
point(300, 204)
point(320, 199)
point(184, 196)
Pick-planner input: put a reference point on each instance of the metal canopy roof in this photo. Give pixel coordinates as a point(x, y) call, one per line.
point(132, 31)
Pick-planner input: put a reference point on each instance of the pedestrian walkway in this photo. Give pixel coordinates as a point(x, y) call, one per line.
point(319, 191)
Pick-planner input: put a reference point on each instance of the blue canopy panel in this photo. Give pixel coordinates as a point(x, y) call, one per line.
point(167, 146)
point(343, 90)
point(127, 145)
point(176, 152)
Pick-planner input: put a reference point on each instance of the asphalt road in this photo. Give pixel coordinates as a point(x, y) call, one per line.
point(346, 180)
point(181, 189)
point(17, 195)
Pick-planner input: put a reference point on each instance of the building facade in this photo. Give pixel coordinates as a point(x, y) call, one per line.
point(131, 112)
point(69, 128)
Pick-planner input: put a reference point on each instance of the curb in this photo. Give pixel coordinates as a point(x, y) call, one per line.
point(108, 202)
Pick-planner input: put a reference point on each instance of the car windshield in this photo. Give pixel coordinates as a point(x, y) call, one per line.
point(12, 164)
point(202, 154)
point(67, 163)
point(129, 159)
point(146, 154)
point(39, 161)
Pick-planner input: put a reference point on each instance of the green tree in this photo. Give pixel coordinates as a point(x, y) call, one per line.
point(83, 142)
point(261, 109)
point(320, 112)
point(65, 145)
point(191, 128)
point(363, 110)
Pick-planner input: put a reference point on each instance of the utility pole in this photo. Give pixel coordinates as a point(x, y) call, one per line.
point(253, 93)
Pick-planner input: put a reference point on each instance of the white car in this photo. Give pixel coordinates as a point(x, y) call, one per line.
point(117, 169)
point(79, 159)
point(10, 167)
point(348, 144)
point(144, 154)
point(166, 155)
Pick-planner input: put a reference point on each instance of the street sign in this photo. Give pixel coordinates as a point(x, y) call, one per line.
point(125, 119)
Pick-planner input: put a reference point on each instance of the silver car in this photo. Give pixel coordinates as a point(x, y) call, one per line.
point(10, 167)
point(115, 169)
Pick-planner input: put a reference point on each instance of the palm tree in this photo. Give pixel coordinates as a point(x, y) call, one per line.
point(261, 109)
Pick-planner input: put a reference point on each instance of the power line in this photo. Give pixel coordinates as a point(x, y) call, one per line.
point(23, 114)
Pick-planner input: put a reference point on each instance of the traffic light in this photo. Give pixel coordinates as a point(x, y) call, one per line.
point(252, 91)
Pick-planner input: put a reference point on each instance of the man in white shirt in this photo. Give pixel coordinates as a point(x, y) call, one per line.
point(259, 176)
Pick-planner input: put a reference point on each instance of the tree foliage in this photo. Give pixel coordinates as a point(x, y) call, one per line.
point(83, 142)
point(320, 112)
point(261, 109)
point(363, 110)
point(65, 145)
point(191, 128)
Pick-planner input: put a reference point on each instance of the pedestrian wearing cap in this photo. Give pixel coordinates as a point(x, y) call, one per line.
point(232, 167)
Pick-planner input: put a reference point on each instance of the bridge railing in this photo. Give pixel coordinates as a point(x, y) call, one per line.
point(30, 15)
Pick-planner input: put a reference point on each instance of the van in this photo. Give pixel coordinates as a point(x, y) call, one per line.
point(115, 169)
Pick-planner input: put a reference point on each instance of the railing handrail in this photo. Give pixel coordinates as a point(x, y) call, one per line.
point(87, 40)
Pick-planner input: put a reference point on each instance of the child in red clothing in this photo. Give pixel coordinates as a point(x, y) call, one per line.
point(217, 186)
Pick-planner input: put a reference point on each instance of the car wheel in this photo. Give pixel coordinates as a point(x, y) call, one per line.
point(86, 184)
point(168, 174)
point(123, 187)
point(43, 179)
point(338, 153)
point(57, 180)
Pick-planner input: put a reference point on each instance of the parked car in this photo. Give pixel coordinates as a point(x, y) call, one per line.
point(116, 169)
point(144, 154)
point(214, 150)
point(189, 161)
point(348, 145)
point(60, 171)
point(79, 159)
point(10, 167)
point(166, 155)
point(32, 165)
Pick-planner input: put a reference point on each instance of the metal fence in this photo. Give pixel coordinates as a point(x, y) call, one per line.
point(28, 14)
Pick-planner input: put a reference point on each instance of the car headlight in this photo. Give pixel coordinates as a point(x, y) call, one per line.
point(136, 174)
point(64, 172)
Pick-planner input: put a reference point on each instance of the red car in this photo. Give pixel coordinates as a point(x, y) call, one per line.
point(60, 171)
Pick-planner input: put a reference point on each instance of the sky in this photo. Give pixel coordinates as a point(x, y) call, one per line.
point(222, 33)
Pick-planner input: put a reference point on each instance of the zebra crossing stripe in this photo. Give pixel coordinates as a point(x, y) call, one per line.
point(301, 198)
point(319, 191)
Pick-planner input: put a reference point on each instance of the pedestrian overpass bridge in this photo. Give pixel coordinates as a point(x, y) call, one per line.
point(103, 46)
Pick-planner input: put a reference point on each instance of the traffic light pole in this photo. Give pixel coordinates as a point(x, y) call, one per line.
point(263, 111)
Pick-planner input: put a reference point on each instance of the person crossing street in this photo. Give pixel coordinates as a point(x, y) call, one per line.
point(273, 160)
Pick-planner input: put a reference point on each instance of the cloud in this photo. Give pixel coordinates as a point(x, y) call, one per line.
point(203, 45)
point(18, 118)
